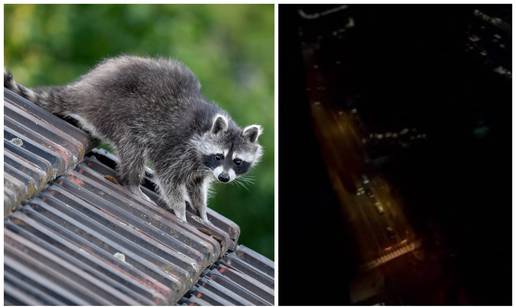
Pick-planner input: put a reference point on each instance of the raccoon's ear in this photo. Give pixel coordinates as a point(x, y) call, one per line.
point(252, 132)
point(220, 123)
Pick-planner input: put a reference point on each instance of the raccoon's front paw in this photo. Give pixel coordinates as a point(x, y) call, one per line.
point(138, 192)
point(206, 221)
point(179, 211)
point(181, 214)
point(203, 216)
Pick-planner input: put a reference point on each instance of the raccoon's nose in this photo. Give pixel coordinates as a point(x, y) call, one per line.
point(224, 177)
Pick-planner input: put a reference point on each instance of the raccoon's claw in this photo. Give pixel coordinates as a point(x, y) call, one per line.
point(207, 222)
point(180, 215)
point(179, 211)
point(204, 217)
point(138, 191)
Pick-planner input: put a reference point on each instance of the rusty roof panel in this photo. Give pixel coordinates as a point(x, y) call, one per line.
point(240, 278)
point(256, 260)
point(139, 251)
point(101, 268)
point(79, 286)
point(83, 212)
point(235, 262)
point(83, 239)
point(38, 147)
point(52, 121)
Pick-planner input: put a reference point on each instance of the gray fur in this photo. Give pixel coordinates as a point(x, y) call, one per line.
point(152, 110)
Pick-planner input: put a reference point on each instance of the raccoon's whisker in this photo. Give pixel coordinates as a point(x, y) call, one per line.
point(246, 179)
point(236, 181)
point(242, 184)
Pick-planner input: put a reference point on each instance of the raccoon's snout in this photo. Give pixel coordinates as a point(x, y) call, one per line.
point(224, 177)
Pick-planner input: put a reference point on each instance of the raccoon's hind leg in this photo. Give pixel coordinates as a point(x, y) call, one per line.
point(175, 197)
point(198, 191)
point(131, 170)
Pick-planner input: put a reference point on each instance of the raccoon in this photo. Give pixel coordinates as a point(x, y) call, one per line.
point(152, 110)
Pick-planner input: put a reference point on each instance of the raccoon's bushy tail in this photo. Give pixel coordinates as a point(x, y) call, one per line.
point(44, 98)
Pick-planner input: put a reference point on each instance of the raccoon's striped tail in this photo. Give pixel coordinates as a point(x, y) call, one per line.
point(40, 98)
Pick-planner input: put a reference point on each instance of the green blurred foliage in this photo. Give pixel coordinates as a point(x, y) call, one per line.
point(229, 47)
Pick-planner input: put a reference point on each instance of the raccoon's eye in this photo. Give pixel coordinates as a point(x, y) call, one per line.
point(219, 157)
point(237, 161)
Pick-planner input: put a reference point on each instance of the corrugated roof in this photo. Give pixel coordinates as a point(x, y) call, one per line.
point(75, 236)
point(242, 277)
point(38, 147)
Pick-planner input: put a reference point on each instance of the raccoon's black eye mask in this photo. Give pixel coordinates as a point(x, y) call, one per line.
point(242, 167)
point(215, 160)
point(212, 161)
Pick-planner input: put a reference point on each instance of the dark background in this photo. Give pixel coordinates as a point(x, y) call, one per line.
point(403, 66)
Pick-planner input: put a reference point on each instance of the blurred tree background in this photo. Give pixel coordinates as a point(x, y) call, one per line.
point(229, 47)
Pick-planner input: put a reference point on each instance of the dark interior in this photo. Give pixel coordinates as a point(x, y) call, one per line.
point(441, 69)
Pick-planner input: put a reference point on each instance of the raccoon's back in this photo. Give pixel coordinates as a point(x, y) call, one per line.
point(160, 82)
